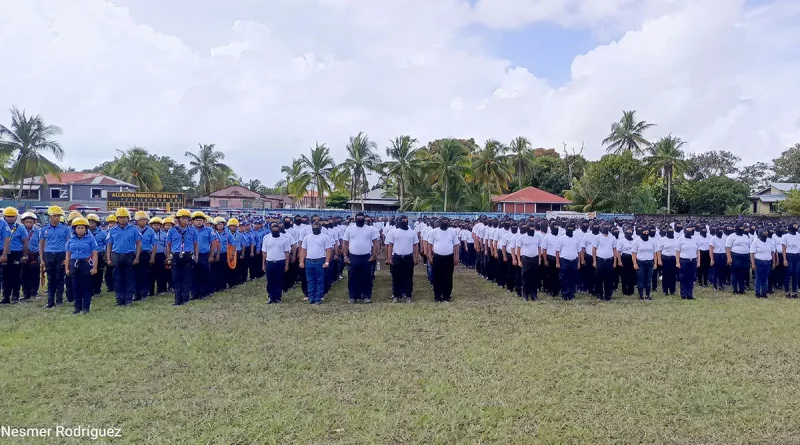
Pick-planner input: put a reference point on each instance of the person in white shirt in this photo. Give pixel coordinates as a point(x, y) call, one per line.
point(790, 255)
point(719, 262)
point(625, 260)
point(604, 253)
point(704, 244)
point(443, 251)
point(402, 256)
point(762, 257)
point(553, 284)
point(687, 255)
point(315, 256)
point(361, 245)
point(276, 252)
point(738, 249)
point(529, 252)
point(567, 251)
point(588, 278)
point(644, 256)
point(667, 261)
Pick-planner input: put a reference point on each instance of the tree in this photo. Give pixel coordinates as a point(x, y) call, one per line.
point(317, 167)
point(586, 196)
point(490, 168)
point(447, 167)
point(711, 196)
point(28, 141)
point(361, 157)
point(712, 163)
point(402, 153)
point(549, 174)
point(295, 183)
point(628, 135)
point(791, 205)
point(337, 200)
point(135, 166)
point(520, 158)
point(645, 202)
point(787, 166)
point(207, 164)
point(667, 158)
point(175, 178)
point(618, 176)
point(757, 176)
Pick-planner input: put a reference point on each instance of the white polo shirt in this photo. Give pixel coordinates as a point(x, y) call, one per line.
point(567, 246)
point(625, 246)
point(549, 244)
point(316, 245)
point(276, 248)
point(667, 246)
point(792, 243)
point(361, 239)
point(718, 244)
point(402, 241)
point(604, 245)
point(529, 245)
point(688, 247)
point(762, 250)
point(644, 250)
point(739, 244)
point(442, 241)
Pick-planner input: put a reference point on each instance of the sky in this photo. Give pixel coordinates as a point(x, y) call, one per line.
point(265, 80)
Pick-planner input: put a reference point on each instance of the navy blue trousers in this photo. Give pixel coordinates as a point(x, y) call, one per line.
point(80, 273)
point(359, 277)
point(124, 277)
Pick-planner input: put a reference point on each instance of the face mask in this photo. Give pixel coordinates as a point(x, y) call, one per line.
point(444, 226)
point(554, 230)
point(276, 233)
point(287, 225)
point(316, 230)
point(569, 232)
point(585, 228)
point(531, 233)
point(615, 233)
point(495, 224)
point(688, 233)
point(670, 234)
point(678, 228)
point(793, 230)
point(513, 230)
point(779, 232)
point(523, 230)
point(645, 236)
point(719, 233)
point(739, 231)
point(595, 230)
point(762, 237)
point(628, 236)
point(604, 230)
point(703, 233)
point(403, 225)
point(360, 222)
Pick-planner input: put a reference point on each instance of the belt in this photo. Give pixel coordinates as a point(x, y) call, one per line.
point(276, 261)
point(403, 256)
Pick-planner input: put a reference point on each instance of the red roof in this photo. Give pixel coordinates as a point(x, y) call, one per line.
point(531, 195)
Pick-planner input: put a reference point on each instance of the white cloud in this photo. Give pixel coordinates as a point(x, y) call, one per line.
point(284, 74)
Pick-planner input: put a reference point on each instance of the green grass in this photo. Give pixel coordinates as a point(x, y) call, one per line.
point(488, 368)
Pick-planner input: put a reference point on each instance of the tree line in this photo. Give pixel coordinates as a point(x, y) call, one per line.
point(635, 175)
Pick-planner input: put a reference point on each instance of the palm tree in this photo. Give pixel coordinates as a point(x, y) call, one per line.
point(295, 183)
point(667, 158)
point(403, 159)
point(341, 179)
point(447, 167)
point(586, 196)
point(318, 167)
point(207, 163)
point(361, 158)
point(31, 139)
point(520, 159)
point(489, 167)
point(628, 135)
point(136, 166)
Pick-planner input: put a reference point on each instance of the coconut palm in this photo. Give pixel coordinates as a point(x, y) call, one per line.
point(136, 166)
point(490, 169)
point(447, 167)
point(207, 164)
point(318, 167)
point(628, 135)
point(361, 157)
point(586, 196)
point(667, 158)
point(520, 158)
point(403, 160)
point(295, 184)
point(27, 142)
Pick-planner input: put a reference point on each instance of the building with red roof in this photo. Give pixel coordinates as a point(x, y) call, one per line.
point(88, 189)
point(529, 200)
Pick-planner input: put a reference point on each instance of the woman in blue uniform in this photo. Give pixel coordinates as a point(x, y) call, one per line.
point(81, 264)
point(17, 249)
point(30, 264)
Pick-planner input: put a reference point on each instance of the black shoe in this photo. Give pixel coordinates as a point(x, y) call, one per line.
point(60, 304)
point(648, 298)
point(692, 298)
point(794, 295)
point(49, 306)
point(76, 312)
point(5, 301)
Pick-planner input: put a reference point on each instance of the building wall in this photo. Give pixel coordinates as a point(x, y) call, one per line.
point(762, 208)
point(525, 208)
point(78, 194)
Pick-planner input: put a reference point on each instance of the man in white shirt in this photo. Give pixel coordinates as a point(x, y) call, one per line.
point(443, 251)
point(567, 251)
point(361, 244)
point(315, 255)
point(790, 257)
point(719, 261)
point(276, 251)
point(553, 285)
point(687, 252)
point(529, 251)
point(603, 254)
point(402, 256)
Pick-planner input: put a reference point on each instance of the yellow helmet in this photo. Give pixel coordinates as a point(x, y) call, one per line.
point(141, 214)
point(61, 218)
point(198, 214)
point(93, 217)
point(233, 222)
point(80, 221)
point(111, 218)
point(27, 215)
point(55, 211)
point(72, 215)
point(155, 220)
point(169, 220)
point(10, 211)
point(122, 212)
point(218, 220)
point(183, 212)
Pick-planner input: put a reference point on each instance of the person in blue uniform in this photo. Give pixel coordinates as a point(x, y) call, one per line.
point(202, 271)
point(247, 250)
point(222, 273)
point(17, 250)
point(144, 278)
point(238, 275)
point(81, 264)
point(122, 251)
point(257, 233)
point(158, 271)
point(183, 252)
point(53, 239)
point(167, 224)
point(100, 237)
point(5, 242)
point(30, 264)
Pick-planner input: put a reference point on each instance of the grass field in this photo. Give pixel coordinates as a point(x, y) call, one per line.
point(488, 368)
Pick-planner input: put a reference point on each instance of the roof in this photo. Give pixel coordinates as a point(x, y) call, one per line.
point(532, 195)
point(74, 178)
point(235, 191)
point(375, 197)
point(768, 198)
point(785, 186)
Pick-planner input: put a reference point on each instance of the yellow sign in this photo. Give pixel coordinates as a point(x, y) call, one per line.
point(145, 200)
